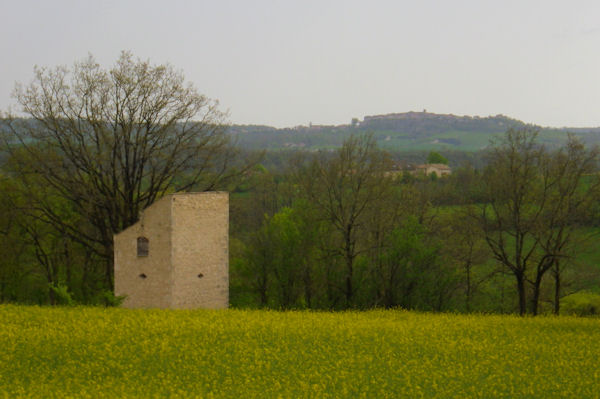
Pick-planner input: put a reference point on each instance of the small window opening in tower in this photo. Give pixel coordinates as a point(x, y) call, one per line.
point(142, 246)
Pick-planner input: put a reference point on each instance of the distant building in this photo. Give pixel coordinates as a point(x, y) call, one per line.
point(177, 255)
point(438, 168)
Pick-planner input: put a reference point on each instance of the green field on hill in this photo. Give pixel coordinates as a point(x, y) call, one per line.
point(97, 352)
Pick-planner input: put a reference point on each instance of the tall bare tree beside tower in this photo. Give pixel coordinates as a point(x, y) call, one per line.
point(112, 141)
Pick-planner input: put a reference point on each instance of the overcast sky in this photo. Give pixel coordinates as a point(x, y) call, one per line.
point(287, 63)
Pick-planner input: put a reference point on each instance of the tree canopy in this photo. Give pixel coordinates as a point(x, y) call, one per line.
point(109, 142)
point(436, 157)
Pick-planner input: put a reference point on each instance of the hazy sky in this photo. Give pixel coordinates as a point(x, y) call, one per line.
point(287, 63)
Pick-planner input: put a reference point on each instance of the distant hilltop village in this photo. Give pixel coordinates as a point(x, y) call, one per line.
point(425, 121)
point(406, 120)
point(425, 115)
point(406, 131)
point(369, 121)
point(499, 120)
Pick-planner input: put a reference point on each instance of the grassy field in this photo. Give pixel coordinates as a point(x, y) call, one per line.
point(96, 352)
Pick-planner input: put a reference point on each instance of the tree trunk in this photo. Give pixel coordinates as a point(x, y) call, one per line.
point(388, 295)
point(308, 287)
point(51, 294)
point(535, 299)
point(109, 266)
point(262, 281)
point(263, 297)
point(522, 294)
point(84, 283)
point(108, 274)
point(468, 293)
point(349, 253)
point(262, 291)
point(349, 287)
point(557, 288)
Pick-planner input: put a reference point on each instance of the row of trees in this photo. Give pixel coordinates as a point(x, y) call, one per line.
point(331, 230)
point(341, 231)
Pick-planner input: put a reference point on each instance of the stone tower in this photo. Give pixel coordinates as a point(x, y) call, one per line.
point(177, 255)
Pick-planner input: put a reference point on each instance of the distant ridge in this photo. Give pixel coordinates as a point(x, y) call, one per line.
point(429, 123)
point(407, 131)
point(401, 132)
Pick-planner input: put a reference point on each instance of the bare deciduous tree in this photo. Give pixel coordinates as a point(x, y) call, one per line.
point(575, 193)
point(514, 204)
point(111, 142)
point(535, 201)
point(341, 189)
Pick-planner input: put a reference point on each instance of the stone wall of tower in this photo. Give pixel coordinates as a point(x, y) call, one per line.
point(200, 240)
point(187, 265)
point(146, 280)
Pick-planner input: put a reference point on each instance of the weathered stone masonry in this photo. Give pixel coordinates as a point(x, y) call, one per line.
point(177, 255)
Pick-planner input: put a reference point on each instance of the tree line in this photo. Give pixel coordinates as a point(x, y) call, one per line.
point(341, 229)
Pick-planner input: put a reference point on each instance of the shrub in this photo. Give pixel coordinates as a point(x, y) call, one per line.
point(63, 296)
point(581, 303)
point(112, 300)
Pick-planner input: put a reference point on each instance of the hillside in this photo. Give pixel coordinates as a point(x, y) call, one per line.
point(410, 131)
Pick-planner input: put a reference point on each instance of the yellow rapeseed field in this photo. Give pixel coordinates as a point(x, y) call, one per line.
point(112, 353)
